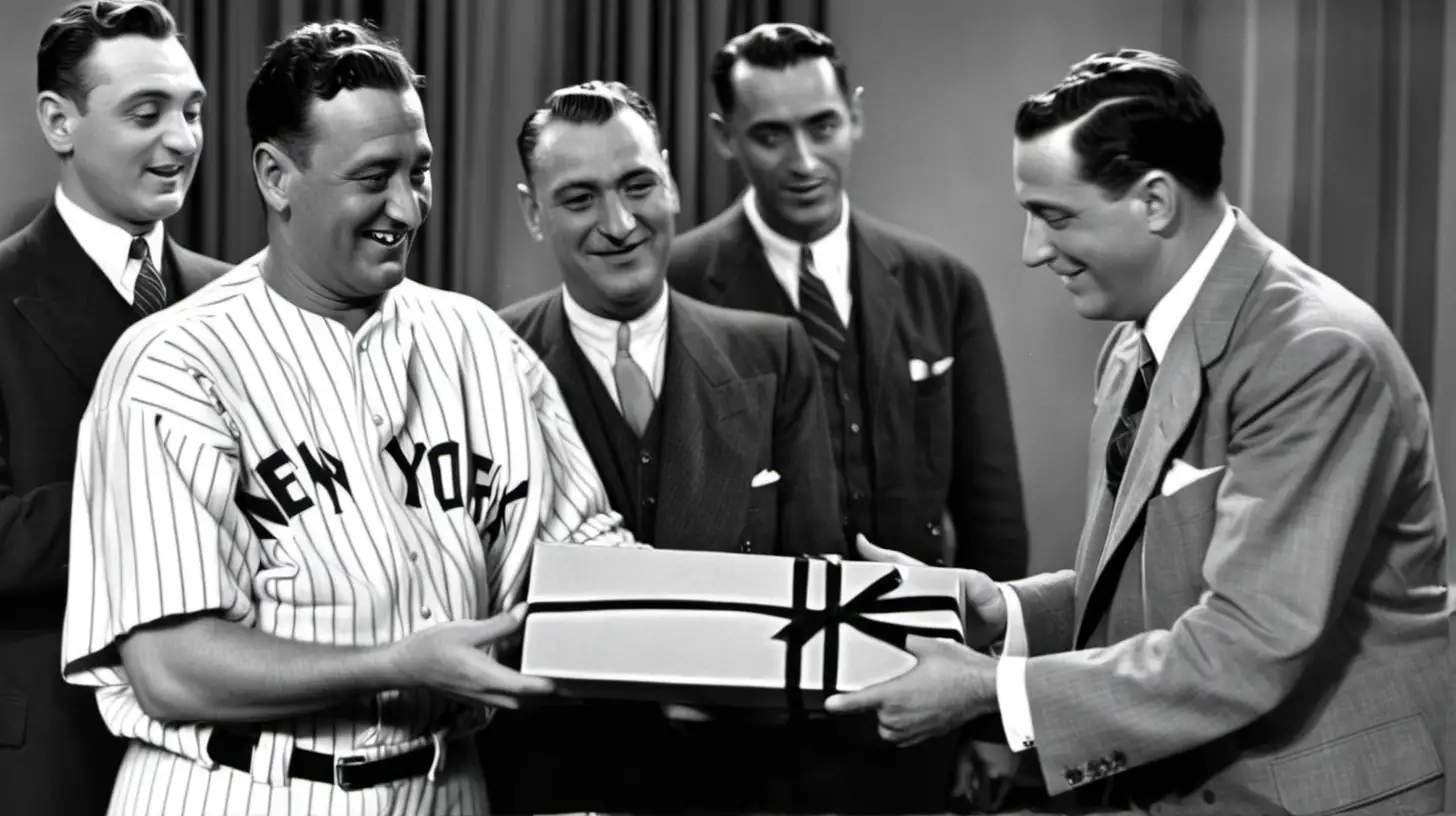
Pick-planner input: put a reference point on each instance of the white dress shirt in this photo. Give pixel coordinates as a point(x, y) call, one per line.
point(831, 256)
point(109, 246)
point(597, 337)
point(1162, 322)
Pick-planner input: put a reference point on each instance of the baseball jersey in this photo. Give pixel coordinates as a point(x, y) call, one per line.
point(246, 458)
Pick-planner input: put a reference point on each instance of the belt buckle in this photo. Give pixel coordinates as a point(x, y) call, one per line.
point(342, 762)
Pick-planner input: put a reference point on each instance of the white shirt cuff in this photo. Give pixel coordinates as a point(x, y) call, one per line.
point(1011, 677)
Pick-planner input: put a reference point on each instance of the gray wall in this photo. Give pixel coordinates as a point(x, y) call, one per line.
point(27, 166)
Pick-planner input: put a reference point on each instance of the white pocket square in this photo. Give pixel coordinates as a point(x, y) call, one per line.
point(919, 370)
point(1181, 474)
point(764, 477)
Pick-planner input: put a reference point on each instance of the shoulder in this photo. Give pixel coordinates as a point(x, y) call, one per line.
point(206, 266)
point(18, 254)
point(919, 261)
point(748, 338)
point(463, 323)
point(524, 316)
point(698, 243)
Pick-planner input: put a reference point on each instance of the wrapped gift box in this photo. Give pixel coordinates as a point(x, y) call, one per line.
point(724, 628)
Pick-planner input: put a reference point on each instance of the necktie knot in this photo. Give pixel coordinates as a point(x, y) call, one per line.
point(150, 290)
point(138, 249)
point(624, 340)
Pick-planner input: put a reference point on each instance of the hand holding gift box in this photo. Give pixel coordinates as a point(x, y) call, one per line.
point(704, 628)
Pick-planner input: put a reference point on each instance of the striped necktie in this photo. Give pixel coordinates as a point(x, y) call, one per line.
point(634, 390)
point(1119, 447)
point(817, 312)
point(151, 292)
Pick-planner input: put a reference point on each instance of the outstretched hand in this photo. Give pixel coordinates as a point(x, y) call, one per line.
point(984, 608)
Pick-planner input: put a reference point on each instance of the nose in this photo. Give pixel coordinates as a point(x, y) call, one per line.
point(182, 136)
point(802, 158)
point(618, 220)
point(407, 205)
point(1035, 249)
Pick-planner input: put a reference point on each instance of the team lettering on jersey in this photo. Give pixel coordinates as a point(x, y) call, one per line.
point(458, 477)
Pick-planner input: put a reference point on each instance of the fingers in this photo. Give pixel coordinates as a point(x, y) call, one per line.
point(923, 647)
point(678, 712)
point(849, 703)
point(498, 627)
point(596, 527)
point(873, 553)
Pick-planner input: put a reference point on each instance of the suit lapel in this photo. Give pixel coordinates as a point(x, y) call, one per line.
point(189, 276)
point(1176, 396)
point(75, 310)
point(706, 466)
point(562, 358)
point(879, 300)
point(740, 270)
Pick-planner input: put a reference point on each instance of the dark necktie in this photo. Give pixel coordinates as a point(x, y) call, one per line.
point(1123, 436)
point(633, 388)
point(150, 292)
point(816, 310)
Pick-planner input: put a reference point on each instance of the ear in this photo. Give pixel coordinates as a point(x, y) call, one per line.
point(1157, 194)
point(856, 113)
point(722, 136)
point(274, 171)
point(530, 210)
point(57, 116)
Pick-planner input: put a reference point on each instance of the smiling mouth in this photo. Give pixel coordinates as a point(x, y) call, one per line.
point(167, 171)
point(805, 189)
point(385, 238)
point(616, 253)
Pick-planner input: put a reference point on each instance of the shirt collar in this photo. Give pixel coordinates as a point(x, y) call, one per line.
point(108, 245)
point(601, 332)
point(831, 250)
point(1163, 321)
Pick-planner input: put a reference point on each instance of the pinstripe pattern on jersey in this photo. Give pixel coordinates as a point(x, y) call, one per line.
point(353, 489)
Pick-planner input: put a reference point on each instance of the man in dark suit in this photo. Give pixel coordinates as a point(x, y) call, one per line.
point(119, 102)
point(909, 364)
point(705, 425)
point(1257, 621)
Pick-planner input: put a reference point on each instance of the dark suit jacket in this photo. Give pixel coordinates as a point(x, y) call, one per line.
point(944, 442)
point(59, 316)
point(739, 396)
point(1258, 622)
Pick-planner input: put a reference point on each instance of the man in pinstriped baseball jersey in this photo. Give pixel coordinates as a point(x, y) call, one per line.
point(298, 492)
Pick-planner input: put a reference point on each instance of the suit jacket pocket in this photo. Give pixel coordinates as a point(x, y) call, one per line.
point(761, 532)
point(12, 722)
point(1358, 769)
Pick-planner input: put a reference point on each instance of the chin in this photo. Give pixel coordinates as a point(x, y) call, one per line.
point(160, 208)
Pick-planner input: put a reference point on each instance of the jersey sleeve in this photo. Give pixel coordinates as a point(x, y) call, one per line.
point(563, 490)
point(155, 529)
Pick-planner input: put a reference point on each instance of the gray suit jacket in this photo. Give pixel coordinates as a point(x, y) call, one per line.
point(1272, 637)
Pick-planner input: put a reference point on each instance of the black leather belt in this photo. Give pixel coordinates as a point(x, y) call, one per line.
point(235, 750)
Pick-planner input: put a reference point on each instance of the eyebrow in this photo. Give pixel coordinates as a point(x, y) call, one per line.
point(591, 184)
point(158, 95)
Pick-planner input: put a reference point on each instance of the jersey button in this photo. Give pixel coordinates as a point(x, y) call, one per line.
point(364, 346)
point(378, 420)
point(425, 612)
point(414, 556)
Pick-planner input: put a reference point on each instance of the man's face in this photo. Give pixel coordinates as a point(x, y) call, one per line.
point(355, 206)
point(135, 149)
point(602, 197)
point(793, 132)
point(1101, 247)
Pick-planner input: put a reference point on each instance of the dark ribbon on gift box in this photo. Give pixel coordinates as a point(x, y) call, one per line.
point(804, 623)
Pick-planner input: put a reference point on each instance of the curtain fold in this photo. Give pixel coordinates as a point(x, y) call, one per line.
point(487, 64)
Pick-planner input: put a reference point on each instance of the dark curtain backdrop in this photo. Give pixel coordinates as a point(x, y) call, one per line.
point(487, 64)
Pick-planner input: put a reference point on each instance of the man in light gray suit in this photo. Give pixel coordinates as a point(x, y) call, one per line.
point(1257, 621)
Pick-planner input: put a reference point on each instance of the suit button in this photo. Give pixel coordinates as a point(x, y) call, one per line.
point(1209, 797)
point(844, 521)
point(933, 528)
point(650, 500)
point(855, 496)
point(844, 396)
point(939, 561)
point(748, 546)
point(854, 427)
point(1074, 776)
point(646, 458)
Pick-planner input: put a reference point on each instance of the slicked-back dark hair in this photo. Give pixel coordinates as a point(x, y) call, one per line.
point(315, 62)
point(590, 103)
point(775, 46)
point(60, 62)
point(1147, 113)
